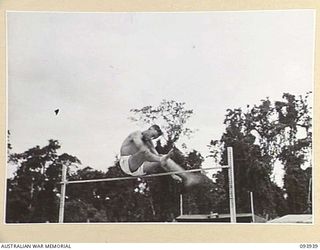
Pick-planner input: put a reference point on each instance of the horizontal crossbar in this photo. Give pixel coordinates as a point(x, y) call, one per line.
point(143, 176)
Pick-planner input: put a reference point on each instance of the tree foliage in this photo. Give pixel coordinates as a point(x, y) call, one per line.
point(261, 136)
point(171, 115)
point(32, 192)
point(294, 115)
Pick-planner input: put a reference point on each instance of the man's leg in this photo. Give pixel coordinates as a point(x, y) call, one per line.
point(189, 179)
point(152, 167)
point(153, 162)
point(136, 160)
point(156, 167)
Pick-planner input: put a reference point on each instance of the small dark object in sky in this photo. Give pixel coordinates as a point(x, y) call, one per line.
point(56, 111)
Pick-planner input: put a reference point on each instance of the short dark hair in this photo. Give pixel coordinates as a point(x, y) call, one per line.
point(157, 128)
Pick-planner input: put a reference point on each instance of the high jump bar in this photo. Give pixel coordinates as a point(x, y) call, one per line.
point(142, 176)
point(230, 167)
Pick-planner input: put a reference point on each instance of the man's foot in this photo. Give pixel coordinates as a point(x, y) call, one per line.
point(192, 181)
point(177, 178)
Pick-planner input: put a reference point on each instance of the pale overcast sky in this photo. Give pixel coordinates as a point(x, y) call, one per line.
point(95, 67)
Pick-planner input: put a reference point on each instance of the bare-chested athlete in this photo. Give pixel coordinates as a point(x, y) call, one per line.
point(139, 157)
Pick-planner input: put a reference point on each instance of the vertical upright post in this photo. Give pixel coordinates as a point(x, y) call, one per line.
point(63, 193)
point(309, 209)
point(181, 204)
point(232, 195)
point(252, 207)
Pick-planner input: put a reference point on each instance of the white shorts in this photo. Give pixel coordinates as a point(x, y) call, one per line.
point(124, 164)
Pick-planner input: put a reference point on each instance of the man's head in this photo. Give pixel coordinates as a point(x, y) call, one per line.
point(154, 132)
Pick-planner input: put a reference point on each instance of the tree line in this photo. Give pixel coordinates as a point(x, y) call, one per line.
point(262, 135)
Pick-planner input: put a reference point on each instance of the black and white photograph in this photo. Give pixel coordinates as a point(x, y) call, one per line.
point(160, 117)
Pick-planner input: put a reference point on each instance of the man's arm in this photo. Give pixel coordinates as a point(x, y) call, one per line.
point(151, 147)
point(143, 144)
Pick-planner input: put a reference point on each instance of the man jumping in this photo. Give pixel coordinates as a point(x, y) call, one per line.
point(139, 157)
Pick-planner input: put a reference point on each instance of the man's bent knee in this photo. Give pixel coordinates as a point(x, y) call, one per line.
point(146, 153)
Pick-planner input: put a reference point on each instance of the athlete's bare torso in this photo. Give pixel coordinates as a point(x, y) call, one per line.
point(128, 146)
